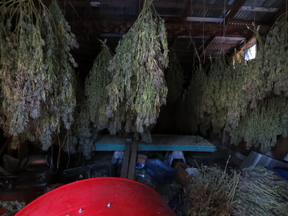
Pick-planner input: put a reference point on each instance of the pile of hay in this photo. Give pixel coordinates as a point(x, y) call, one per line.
point(254, 191)
point(260, 192)
point(211, 192)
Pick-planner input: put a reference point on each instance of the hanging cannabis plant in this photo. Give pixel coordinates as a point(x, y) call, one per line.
point(261, 126)
point(276, 52)
point(255, 83)
point(95, 89)
point(90, 114)
point(37, 76)
point(174, 79)
point(138, 88)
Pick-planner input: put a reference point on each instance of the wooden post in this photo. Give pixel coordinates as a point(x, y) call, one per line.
point(132, 165)
point(125, 163)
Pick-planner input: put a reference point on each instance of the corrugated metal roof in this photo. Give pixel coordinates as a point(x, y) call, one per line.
point(207, 13)
point(265, 3)
point(259, 16)
point(228, 40)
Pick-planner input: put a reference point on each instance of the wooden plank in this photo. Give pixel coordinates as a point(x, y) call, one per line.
point(151, 147)
point(180, 29)
point(132, 165)
point(147, 147)
point(187, 8)
point(129, 3)
point(236, 7)
point(125, 163)
point(160, 143)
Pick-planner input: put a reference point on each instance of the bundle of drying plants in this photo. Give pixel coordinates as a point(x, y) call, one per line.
point(247, 99)
point(138, 87)
point(37, 75)
point(91, 116)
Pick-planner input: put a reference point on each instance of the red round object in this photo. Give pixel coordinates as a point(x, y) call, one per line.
point(101, 197)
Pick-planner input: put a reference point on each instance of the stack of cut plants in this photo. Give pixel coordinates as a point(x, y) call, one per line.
point(254, 191)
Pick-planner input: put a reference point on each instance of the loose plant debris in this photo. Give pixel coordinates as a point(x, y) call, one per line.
point(37, 76)
point(138, 87)
point(211, 192)
point(260, 192)
point(174, 79)
point(11, 207)
point(249, 100)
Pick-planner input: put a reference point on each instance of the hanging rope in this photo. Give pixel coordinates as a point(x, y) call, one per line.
point(203, 40)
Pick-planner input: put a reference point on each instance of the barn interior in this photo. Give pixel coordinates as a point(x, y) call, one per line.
point(186, 97)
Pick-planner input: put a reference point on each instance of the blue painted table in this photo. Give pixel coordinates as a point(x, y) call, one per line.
point(160, 143)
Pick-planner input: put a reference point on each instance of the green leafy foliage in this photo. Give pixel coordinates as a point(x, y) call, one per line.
point(247, 100)
point(138, 88)
point(12, 207)
point(37, 75)
point(95, 89)
point(90, 114)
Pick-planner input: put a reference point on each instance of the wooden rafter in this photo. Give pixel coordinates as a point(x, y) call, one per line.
point(180, 29)
point(187, 8)
point(236, 7)
point(206, 44)
point(127, 3)
point(230, 15)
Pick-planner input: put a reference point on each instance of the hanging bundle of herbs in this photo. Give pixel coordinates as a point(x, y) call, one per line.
point(90, 113)
point(95, 89)
point(255, 83)
point(214, 94)
point(234, 98)
point(138, 88)
point(38, 78)
point(275, 57)
point(261, 126)
point(174, 79)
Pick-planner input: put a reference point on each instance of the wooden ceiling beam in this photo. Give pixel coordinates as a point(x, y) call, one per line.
point(180, 29)
point(187, 8)
point(236, 7)
point(132, 3)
